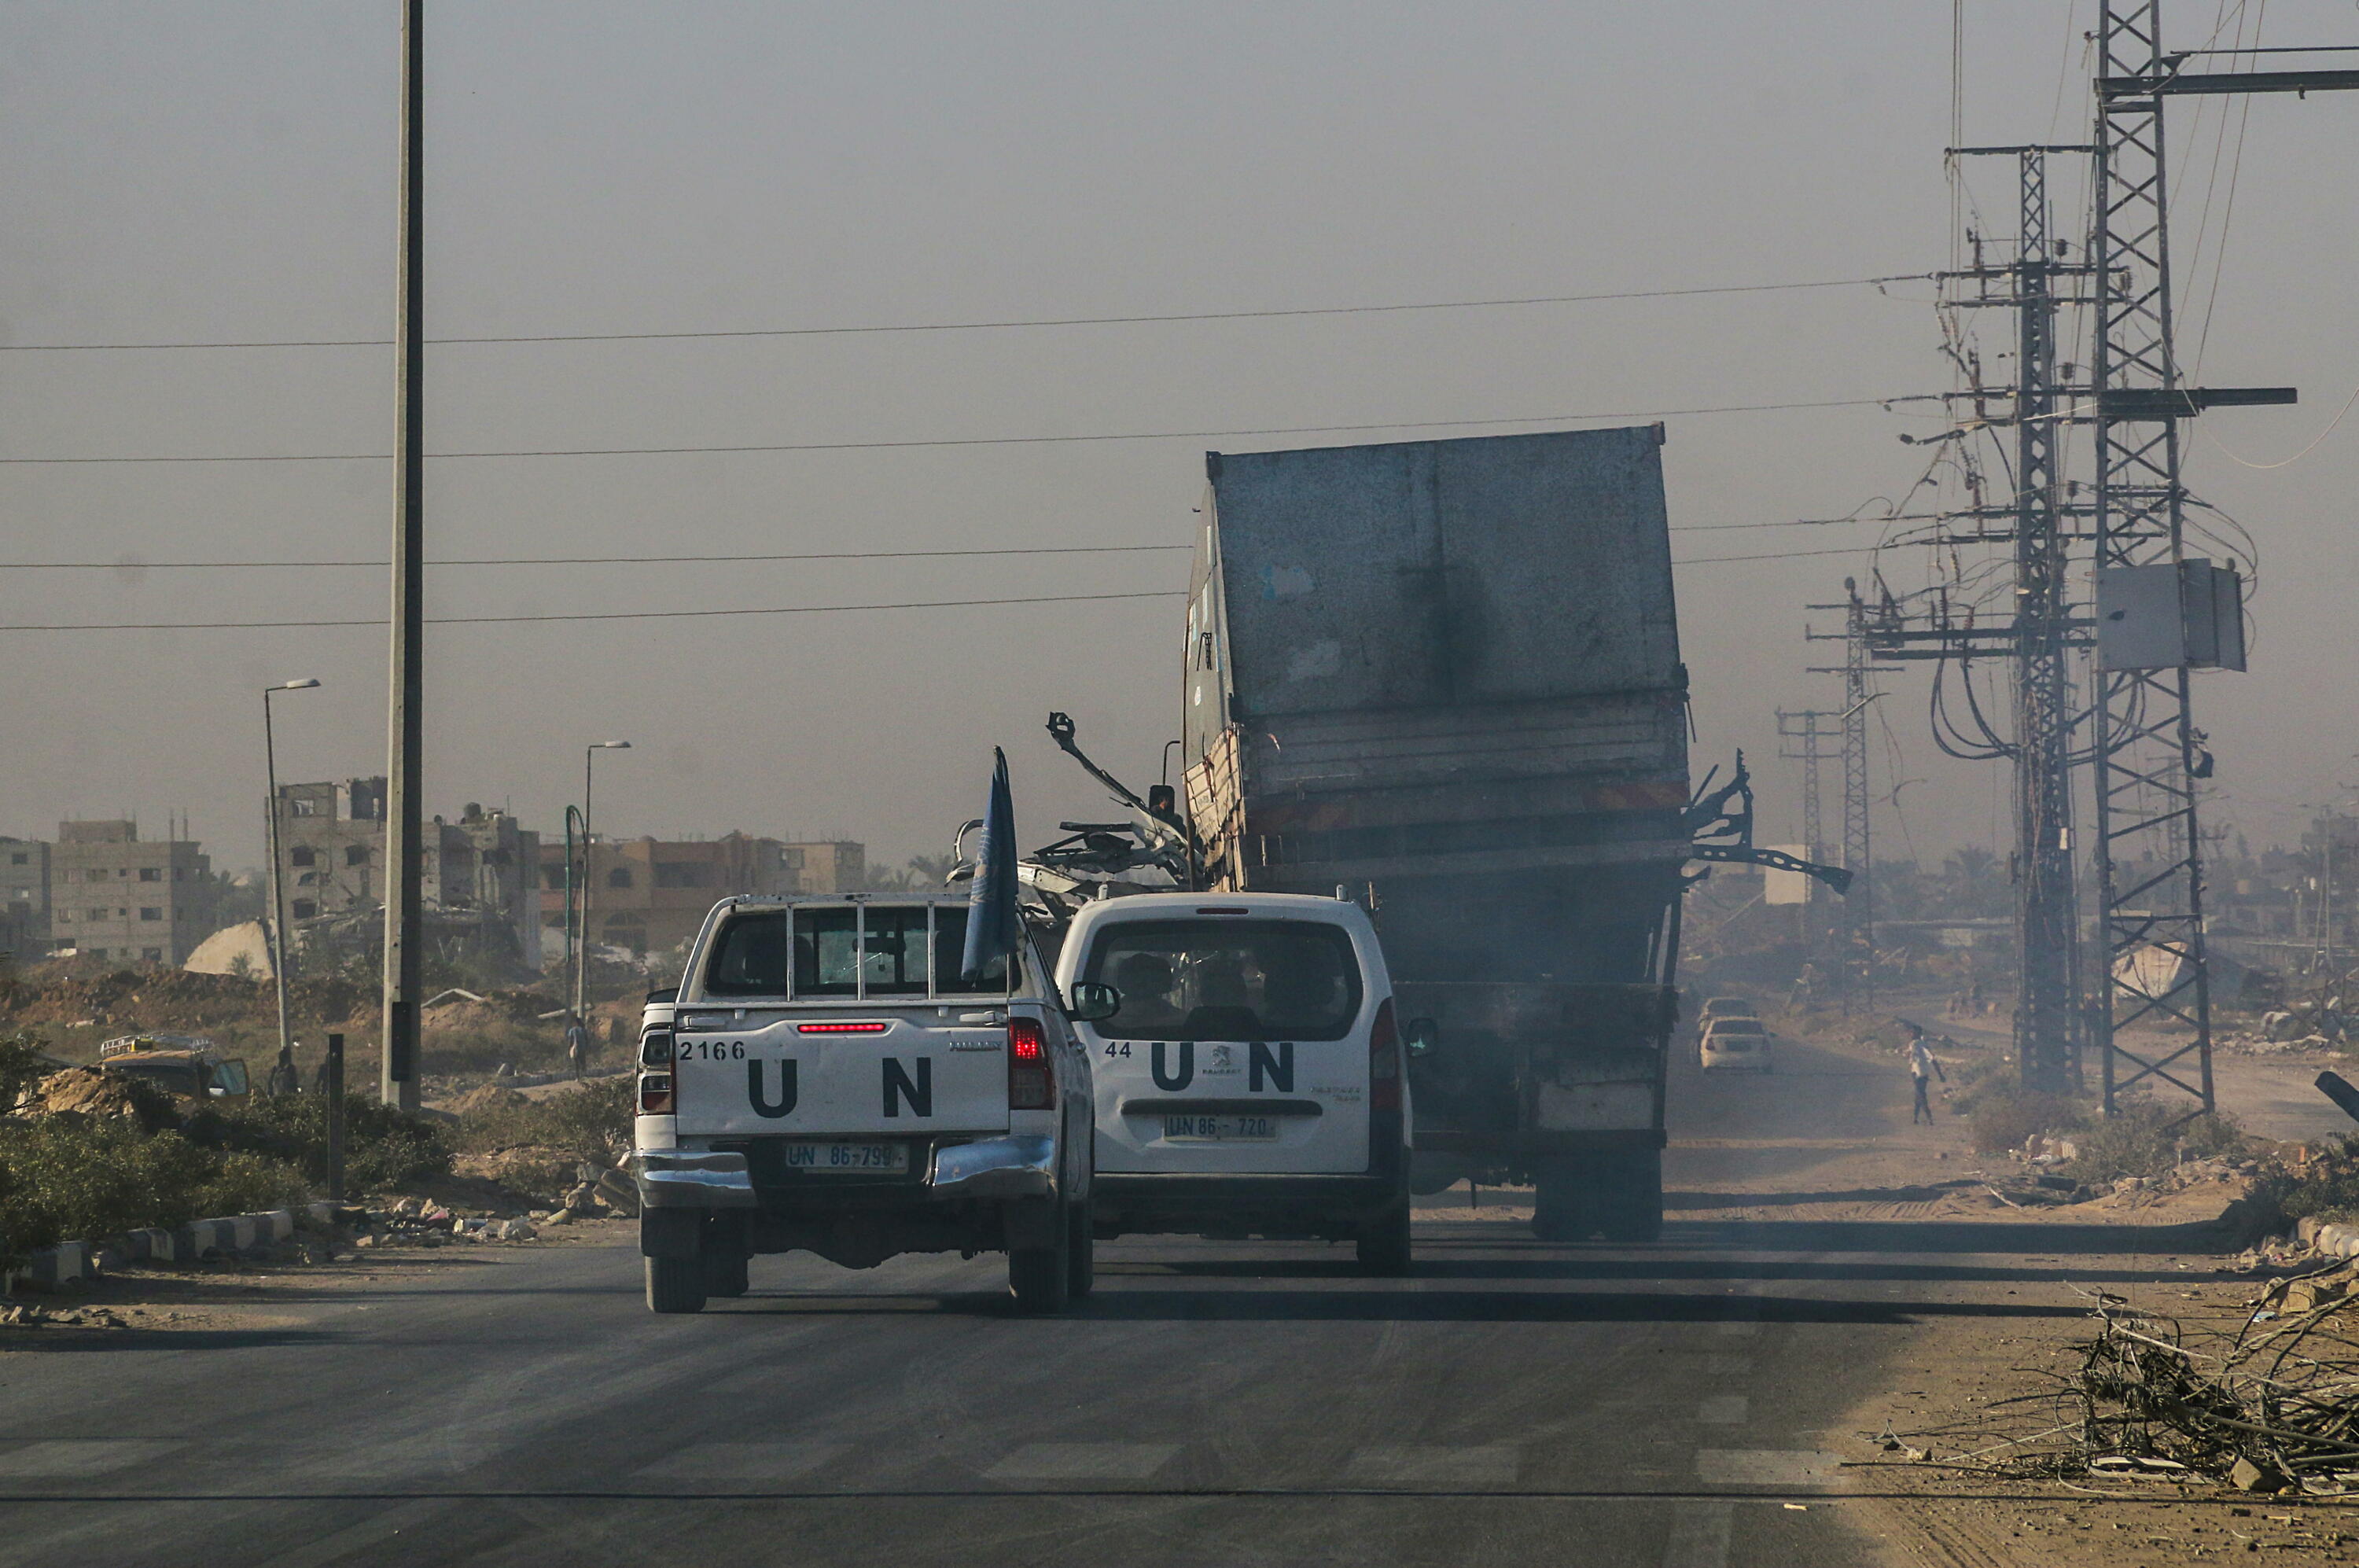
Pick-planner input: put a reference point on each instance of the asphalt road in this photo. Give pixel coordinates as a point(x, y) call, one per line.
point(1212, 1403)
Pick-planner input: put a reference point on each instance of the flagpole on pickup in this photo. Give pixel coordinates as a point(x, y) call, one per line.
point(992, 921)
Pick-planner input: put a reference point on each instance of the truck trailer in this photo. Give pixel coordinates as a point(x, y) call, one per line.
point(1443, 677)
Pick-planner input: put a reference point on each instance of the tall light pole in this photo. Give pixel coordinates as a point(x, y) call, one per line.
point(277, 888)
point(405, 932)
point(581, 970)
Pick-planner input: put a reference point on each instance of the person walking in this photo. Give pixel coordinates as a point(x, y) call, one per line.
point(1923, 1068)
point(577, 1046)
point(282, 1079)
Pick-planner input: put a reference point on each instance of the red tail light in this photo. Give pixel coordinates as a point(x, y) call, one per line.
point(1384, 1060)
point(1031, 1080)
point(654, 1094)
point(842, 1029)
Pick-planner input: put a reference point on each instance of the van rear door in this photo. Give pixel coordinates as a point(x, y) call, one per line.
point(1241, 1047)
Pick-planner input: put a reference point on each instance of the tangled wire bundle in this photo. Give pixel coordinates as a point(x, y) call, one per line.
point(2267, 1401)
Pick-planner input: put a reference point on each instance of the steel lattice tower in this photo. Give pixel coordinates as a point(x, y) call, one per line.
point(2149, 867)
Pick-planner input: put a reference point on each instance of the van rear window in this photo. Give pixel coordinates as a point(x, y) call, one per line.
point(1228, 979)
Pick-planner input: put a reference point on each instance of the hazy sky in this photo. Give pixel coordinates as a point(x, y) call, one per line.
point(201, 172)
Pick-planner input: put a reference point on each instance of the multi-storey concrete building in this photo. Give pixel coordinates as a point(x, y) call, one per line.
point(650, 895)
point(331, 848)
point(115, 896)
point(332, 864)
point(24, 897)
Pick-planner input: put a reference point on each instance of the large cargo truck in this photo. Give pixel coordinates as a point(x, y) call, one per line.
point(1445, 676)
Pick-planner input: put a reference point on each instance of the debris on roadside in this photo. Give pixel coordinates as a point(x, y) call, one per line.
point(2267, 1401)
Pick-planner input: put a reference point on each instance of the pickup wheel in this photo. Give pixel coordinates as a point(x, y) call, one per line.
point(1384, 1243)
point(725, 1274)
point(675, 1284)
point(1041, 1278)
point(1081, 1259)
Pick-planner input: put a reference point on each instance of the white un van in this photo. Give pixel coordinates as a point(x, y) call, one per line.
point(1247, 1069)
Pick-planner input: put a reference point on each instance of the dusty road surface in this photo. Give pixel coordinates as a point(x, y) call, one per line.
point(1688, 1404)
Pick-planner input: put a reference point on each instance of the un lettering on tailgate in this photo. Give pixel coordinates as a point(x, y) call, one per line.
point(778, 1081)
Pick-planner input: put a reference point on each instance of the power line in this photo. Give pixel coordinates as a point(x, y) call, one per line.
point(379, 621)
point(1776, 555)
point(992, 326)
point(588, 559)
point(1009, 441)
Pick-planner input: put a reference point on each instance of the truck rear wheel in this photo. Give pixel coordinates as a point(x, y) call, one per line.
point(1561, 1206)
point(1632, 1194)
point(1383, 1244)
point(1041, 1278)
point(675, 1284)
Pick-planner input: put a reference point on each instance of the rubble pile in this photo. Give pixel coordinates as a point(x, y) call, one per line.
point(421, 1222)
point(87, 1091)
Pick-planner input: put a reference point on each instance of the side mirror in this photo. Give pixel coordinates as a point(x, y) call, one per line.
point(1424, 1036)
point(1093, 1001)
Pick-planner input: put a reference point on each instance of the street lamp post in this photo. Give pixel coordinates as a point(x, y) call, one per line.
point(581, 969)
point(277, 887)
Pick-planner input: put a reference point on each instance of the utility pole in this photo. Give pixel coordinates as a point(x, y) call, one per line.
point(403, 891)
point(1801, 735)
point(1857, 966)
point(2039, 638)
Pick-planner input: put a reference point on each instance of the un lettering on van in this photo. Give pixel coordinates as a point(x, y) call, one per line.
point(1174, 1066)
point(918, 1094)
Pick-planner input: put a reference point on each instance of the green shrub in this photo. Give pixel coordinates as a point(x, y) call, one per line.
point(590, 1122)
point(385, 1146)
point(2326, 1188)
point(2141, 1139)
point(21, 1062)
point(2004, 1120)
point(64, 1179)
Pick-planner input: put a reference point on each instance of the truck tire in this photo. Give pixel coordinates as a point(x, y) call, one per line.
point(725, 1274)
point(675, 1284)
point(1634, 1197)
point(1562, 1208)
point(1082, 1260)
point(1383, 1244)
point(1040, 1279)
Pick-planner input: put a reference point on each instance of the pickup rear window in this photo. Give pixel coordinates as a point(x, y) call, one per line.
point(1228, 979)
point(844, 952)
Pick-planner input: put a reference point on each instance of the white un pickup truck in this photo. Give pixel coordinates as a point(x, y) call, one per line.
point(825, 1080)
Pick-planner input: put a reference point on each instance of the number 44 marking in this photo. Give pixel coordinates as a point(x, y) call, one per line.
point(1123, 1049)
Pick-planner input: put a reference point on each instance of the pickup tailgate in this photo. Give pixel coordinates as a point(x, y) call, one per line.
point(782, 1074)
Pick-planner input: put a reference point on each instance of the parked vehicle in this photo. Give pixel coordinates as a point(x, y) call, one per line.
point(824, 1079)
point(1727, 1007)
point(1446, 675)
point(1740, 1044)
point(1247, 1068)
point(188, 1065)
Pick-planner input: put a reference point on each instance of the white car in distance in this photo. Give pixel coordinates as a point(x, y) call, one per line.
point(1736, 1044)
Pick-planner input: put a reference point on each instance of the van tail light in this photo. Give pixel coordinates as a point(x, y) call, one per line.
point(1384, 1060)
point(654, 1094)
point(1031, 1080)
